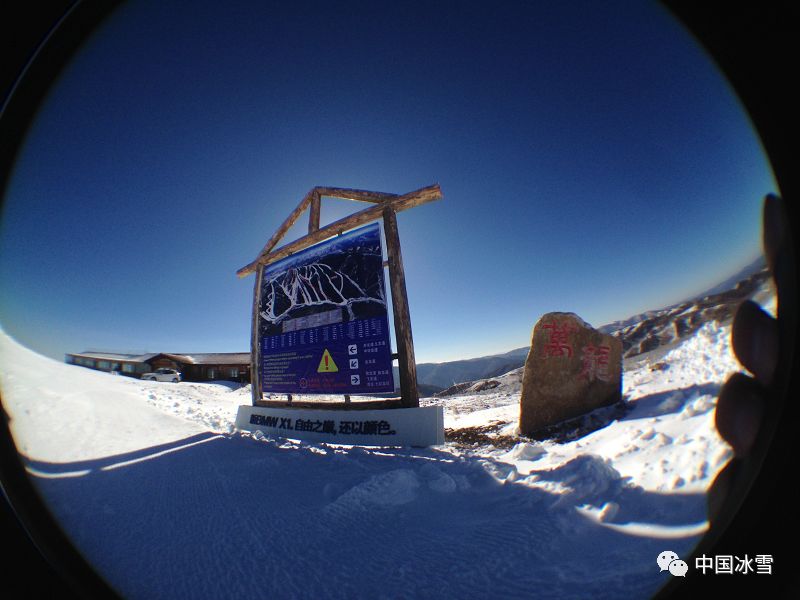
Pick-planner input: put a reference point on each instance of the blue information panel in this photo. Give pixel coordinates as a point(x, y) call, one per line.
point(323, 325)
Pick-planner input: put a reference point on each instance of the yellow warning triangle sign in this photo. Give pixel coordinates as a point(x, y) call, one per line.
point(326, 364)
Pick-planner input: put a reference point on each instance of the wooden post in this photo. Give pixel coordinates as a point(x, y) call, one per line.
point(255, 350)
point(407, 365)
point(313, 213)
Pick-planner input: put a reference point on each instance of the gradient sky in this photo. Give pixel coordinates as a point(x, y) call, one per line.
point(591, 156)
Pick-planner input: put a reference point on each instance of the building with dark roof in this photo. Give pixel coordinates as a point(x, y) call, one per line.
point(217, 366)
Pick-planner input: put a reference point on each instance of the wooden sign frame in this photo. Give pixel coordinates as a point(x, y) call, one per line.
point(385, 206)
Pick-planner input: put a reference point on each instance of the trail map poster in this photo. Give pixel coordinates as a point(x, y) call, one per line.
point(323, 325)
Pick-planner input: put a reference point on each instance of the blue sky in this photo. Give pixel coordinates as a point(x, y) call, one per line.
point(592, 159)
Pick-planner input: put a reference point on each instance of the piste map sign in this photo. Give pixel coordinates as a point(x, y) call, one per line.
point(323, 325)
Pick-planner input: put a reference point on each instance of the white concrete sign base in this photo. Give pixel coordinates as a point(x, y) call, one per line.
point(422, 426)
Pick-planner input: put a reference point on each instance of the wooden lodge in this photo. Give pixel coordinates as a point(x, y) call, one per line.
point(218, 366)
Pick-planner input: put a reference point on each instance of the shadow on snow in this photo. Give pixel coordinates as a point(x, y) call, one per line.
point(216, 516)
point(669, 402)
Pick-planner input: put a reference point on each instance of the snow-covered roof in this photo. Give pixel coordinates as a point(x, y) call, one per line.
point(213, 358)
point(114, 356)
point(204, 358)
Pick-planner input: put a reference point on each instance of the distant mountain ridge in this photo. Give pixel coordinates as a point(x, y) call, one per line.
point(640, 333)
point(438, 376)
point(669, 325)
point(758, 265)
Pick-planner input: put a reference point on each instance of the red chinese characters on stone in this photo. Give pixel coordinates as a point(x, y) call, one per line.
point(558, 340)
point(571, 370)
point(595, 362)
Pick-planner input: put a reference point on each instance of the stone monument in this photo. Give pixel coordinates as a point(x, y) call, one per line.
point(571, 370)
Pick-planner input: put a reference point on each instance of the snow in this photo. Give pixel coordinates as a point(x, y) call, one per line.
point(167, 500)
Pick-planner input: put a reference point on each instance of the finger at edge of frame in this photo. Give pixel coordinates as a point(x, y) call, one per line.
point(740, 410)
point(756, 341)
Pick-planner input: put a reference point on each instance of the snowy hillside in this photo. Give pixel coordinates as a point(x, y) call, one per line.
point(658, 328)
point(640, 333)
point(168, 501)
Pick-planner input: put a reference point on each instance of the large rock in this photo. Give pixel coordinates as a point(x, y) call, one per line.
point(571, 369)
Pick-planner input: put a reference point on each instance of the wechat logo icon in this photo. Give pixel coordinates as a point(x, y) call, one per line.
point(669, 561)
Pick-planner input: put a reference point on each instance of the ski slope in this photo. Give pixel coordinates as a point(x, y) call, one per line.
point(159, 491)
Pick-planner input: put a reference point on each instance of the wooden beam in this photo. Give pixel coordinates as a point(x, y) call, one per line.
point(409, 394)
point(396, 204)
point(290, 220)
point(351, 194)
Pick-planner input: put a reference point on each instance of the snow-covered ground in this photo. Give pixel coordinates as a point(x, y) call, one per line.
point(160, 492)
